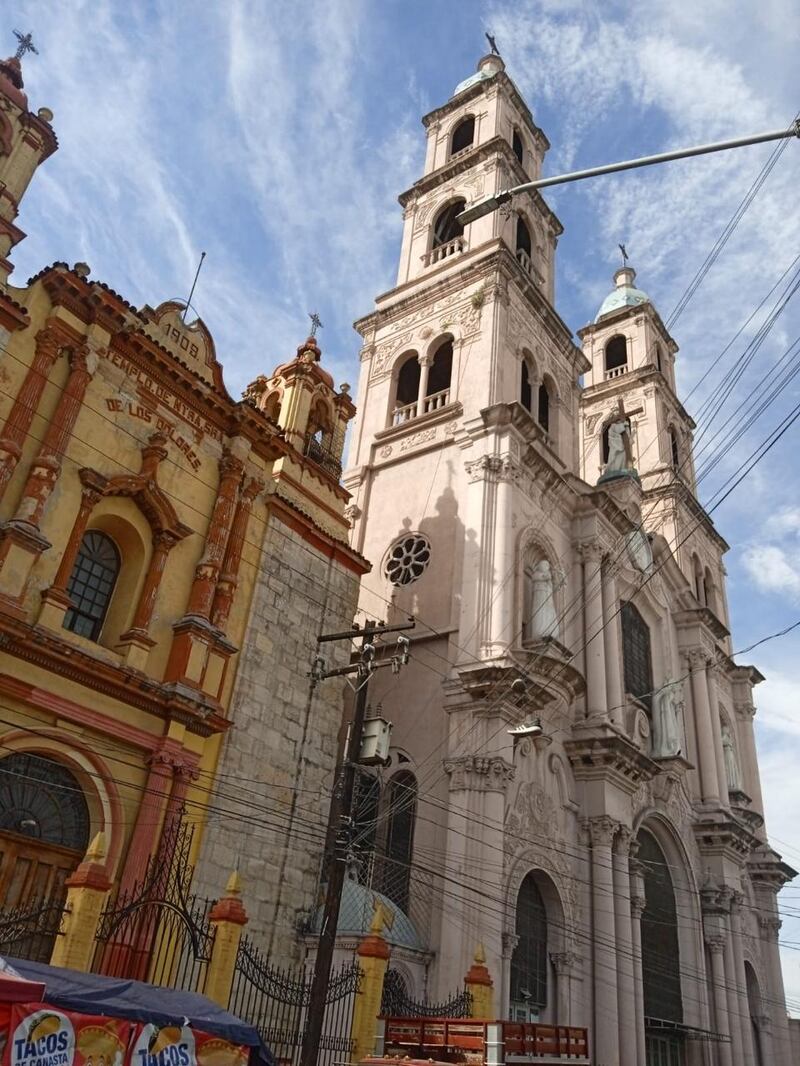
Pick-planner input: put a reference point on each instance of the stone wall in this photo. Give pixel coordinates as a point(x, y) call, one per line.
point(270, 804)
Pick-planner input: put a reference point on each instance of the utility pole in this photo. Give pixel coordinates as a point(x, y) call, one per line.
point(339, 819)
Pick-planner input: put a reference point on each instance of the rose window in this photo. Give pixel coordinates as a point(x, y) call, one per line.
point(408, 558)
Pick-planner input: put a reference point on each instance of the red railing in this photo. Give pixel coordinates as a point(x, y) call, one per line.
point(498, 1042)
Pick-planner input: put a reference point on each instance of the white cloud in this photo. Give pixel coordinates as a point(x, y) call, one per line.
point(773, 570)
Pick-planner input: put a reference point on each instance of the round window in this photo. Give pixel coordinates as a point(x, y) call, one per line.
point(408, 558)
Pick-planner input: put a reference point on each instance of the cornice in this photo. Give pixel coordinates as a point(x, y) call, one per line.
point(642, 376)
point(13, 315)
point(42, 647)
point(600, 752)
point(685, 496)
point(630, 312)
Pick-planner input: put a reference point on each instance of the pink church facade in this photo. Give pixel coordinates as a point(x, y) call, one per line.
point(614, 865)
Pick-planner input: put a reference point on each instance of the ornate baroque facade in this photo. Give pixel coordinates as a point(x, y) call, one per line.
point(154, 533)
point(614, 865)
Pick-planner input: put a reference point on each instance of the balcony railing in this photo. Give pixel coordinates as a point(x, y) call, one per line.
point(444, 251)
point(437, 400)
point(617, 372)
point(404, 414)
point(323, 458)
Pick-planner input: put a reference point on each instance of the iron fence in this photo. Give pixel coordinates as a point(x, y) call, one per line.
point(276, 1001)
point(29, 930)
point(397, 1001)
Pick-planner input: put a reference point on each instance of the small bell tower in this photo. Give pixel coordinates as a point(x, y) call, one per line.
point(26, 140)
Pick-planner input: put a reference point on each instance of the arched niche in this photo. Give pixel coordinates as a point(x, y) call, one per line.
point(463, 135)
point(535, 615)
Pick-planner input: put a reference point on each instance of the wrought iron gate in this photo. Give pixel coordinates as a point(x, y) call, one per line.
point(29, 930)
point(276, 1001)
point(397, 1001)
point(159, 931)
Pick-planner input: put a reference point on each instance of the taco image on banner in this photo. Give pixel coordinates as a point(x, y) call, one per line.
point(213, 1051)
point(100, 1044)
point(41, 1035)
point(167, 1045)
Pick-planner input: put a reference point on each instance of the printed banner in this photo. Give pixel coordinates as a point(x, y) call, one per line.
point(174, 1045)
point(43, 1036)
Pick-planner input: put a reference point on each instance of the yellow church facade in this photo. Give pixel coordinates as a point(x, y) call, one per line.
point(137, 503)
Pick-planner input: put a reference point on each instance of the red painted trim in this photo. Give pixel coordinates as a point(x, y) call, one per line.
point(75, 712)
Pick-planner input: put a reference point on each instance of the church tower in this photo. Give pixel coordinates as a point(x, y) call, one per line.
point(571, 724)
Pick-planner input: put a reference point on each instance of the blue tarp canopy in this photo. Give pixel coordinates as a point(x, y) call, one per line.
point(91, 993)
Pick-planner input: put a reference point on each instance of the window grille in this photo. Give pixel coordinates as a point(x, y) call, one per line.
point(529, 961)
point(636, 654)
point(661, 970)
point(408, 559)
point(41, 799)
point(91, 584)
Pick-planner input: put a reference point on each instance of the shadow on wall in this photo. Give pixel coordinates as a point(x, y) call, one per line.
point(432, 597)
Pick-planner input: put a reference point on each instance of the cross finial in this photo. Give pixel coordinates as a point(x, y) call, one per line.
point(492, 44)
point(625, 256)
point(315, 322)
point(25, 44)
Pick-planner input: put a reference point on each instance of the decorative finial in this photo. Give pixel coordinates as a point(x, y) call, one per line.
point(480, 954)
point(96, 851)
point(492, 44)
point(233, 886)
point(315, 323)
point(624, 255)
point(25, 44)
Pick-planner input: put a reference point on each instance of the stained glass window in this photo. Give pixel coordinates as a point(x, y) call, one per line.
point(40, 798)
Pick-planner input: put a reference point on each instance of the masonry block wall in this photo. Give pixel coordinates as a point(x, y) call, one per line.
point(270, 805)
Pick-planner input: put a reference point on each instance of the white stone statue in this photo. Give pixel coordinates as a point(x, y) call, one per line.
point(731, 762)
point(667, 708)
point(543, 621)
point(617, 457)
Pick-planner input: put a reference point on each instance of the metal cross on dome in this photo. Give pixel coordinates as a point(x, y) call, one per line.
point(25, 44)
point(315, 322)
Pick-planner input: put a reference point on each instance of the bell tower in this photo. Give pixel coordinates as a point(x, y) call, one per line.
point(26, 140)
point(632, 357)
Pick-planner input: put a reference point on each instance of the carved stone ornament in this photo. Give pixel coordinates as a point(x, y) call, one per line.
point(385, 350)
point(479, 773)
point(639, 550)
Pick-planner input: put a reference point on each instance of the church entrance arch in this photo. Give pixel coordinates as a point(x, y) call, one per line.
point(538, 929)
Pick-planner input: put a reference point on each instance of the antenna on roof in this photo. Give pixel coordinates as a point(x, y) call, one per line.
point(191, 294)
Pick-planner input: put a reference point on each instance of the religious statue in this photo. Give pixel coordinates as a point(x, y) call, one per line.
point(619, 434)
point(543, 620)
point(667, 708)
point(732, 772)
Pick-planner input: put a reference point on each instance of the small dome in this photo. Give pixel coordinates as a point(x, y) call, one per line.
point(487, 68)
point(624, 295)
point(355, 916)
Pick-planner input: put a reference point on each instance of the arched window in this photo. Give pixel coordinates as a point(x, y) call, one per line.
point(661, 968)
point(41, 799)
point(91, 584)
point(445, 226)
point(543, 407)
point(516, 146)
point(529, 961)
point(525, 394)
point(709, 590)
point(616, 353)
point(756, 1011)
point(636, 655)
point(674, 449)
point(408, 382)
point(658, 357)
point(523, 243)
point(272, 406)
point(440, 373)
point(399, 811)
point(463, 135)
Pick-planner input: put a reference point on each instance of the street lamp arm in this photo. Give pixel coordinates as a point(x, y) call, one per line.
point(491, 203)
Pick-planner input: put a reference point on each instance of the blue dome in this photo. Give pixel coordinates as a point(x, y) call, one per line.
point(487, 68)
point(624, 295)
point(355, 916)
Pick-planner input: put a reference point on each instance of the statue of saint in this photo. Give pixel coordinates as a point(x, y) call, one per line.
point(619, 433)
point(731, 762)
point(543, 620)
point(667, 708)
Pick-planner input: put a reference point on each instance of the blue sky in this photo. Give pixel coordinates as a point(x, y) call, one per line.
point(276, 136)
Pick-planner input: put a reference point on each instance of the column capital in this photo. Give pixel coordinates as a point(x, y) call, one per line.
point(564, 962)
point(716, 942)
point(697, 658)
point(590, 551)
point(230, 465)
point(510, 941)
point(770, 926)
point(602, 830)
point(251, 488)
point(623, 839)
point(479, 773)
point(638, 904)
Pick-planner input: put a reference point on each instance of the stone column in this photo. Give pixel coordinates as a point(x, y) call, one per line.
point(27, 400)
point(701, 709)
point(564, 963)
point(739, 979)
point(184, 772)
point(207, 572)
point(752, 778)
point(425, 362)
point(229, 578)
point(624, 936)
point(605, 1027)
point(87, 890)
point(162, 545)
point(716, 946)
point(613, 649)
point(145, 831)
point(502, 585)
point(774, 994)
point(716, 727)
point(596, 698)
point(638, 903)
point(55, 600)
point(228, 917)
point(47, 466)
